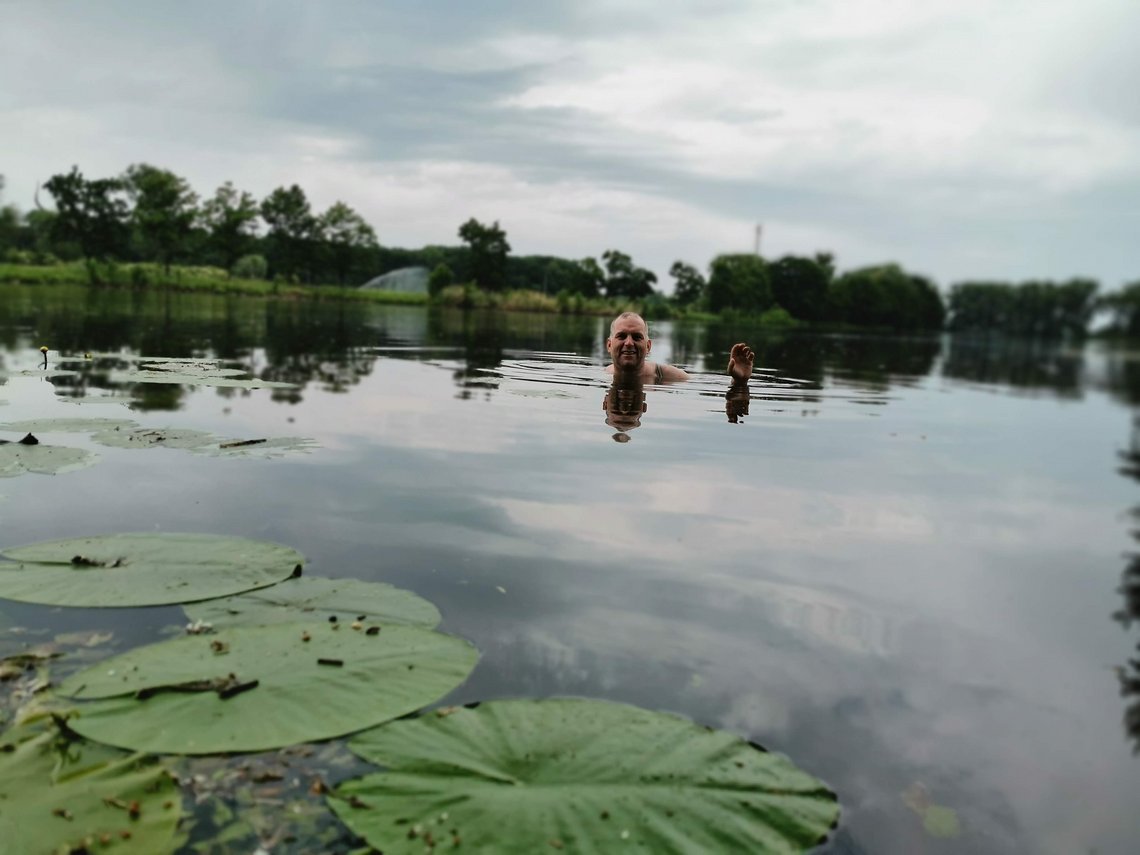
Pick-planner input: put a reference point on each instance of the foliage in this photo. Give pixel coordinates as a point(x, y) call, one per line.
point(165, 211)
point(1124, 308)
point(440, 277)
point(489, 249)
point(689, 284)
point(250, 267)
point(800, 285)
point(142, 569)
point(251, 688)
point(739, 282)
point(231, 220)
point(93, 214)
point(624, 279)
point(344, 233)
point(1032, 309)
point(57, 794)
point(16, 459)
point(292, 229)
point(886, 296)
point(579, 775)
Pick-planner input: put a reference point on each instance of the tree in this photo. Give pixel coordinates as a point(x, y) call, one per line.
point(231, 218)
point(489, 249)
point(689, 284)
point(886, 296)
point(291, 230)
point(800, 285)
point(624, 278)
point(739, 281)
point(345, 232)
point(165, 211)
point(440, 277)
point(93, 214)
point(589, 278)
point(9, 223)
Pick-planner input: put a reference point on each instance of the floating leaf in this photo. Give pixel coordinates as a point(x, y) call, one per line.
point(939, 821)
point(57, 795)
point(143, 375)
point(148, 569)
point(68, 425)
point(297, 690)
point(587, 776)
point(192, 366)
point(154, 437)
point(319, 599)
point(272, 447)
point(16, 459)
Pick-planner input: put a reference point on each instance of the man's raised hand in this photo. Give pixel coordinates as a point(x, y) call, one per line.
point(740, 361)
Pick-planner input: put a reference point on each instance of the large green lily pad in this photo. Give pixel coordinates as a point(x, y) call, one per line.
point(139, 437)
point(16, 459)
point(147, 569)
point(191, 378)
point(71, 797)
point(579, 775)
point(313, 598)
point(338, 681)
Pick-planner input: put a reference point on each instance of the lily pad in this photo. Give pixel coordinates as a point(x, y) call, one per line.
point(271, 447)
point(143, 375)
point(319, 599)
point(579, 775)
point(16, 459)
point(57, 795)
point(147, 569)
point(139, 437)
point(251, 688)
point(68, 425)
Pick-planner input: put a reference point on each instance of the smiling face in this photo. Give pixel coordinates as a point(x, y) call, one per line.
point(629, 342)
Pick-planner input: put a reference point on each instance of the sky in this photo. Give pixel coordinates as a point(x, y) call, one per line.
point(963, 139)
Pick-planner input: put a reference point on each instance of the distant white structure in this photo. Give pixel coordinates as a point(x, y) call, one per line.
point(411, 280)
point(759, 230)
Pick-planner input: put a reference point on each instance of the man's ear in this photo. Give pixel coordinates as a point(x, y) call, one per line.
point(648, 345)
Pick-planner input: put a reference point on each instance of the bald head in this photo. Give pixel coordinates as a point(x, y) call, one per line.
point(629, 316)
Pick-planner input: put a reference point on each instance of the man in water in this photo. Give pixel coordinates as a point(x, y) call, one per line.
point(629, 343)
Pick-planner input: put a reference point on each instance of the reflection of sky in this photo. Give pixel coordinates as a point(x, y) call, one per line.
point(906, 585)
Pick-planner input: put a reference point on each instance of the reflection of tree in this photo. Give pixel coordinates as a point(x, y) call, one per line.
point(1022, 363)
point(1130, 591)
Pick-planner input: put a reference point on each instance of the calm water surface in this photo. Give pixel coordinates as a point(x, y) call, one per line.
point(901, 567)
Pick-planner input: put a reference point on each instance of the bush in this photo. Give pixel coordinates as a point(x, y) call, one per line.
point(251, 267)
point(778, 317)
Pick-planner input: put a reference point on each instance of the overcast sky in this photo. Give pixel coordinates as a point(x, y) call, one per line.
point(961, 138)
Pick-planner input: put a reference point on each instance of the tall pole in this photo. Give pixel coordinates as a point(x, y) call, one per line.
point(759, 229)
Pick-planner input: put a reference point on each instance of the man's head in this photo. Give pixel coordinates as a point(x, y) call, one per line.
point(628, 343)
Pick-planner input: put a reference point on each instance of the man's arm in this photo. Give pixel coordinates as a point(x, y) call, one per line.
point(740, 361)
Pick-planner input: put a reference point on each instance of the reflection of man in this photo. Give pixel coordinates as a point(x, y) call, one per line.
point(624, 403)
point(628, 345)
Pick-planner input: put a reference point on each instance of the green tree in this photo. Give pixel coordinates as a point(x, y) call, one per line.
point(231, 219)
point(740, 282)
point(165, 211)
point(93, 214)
point(345, 233)
point(800, 285)
point(489, 249)
point(886, 296)
point(689, 284)
point(440, 277)
point(292, 228)
point(624, 278)
point(9, 223)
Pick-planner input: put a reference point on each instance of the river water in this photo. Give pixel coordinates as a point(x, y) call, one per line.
point(900, 562)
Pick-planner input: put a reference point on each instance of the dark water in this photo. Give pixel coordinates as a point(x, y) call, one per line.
point(903, 567)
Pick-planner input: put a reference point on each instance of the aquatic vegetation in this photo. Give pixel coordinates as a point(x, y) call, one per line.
point(62, 796)
point(144, 569)
point(348, 600)
point(17, 459)
point(587, 776)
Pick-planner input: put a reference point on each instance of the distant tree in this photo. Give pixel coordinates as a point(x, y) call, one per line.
point(1032, 309)
point(344, 233)
point(624, 278)
point(1124, 309)
point(231, 219)
point(9, 223)
point(440, 277)
point(589, 278)
point(886, 296)
point(740, 282)
point(92, 214)
point(489, 249)
point(250, 267)
point(689, 284)
point(165, 211)
point(800, 285)
point(292, 228)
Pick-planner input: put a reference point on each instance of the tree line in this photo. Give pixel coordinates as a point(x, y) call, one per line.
point(150, 214)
